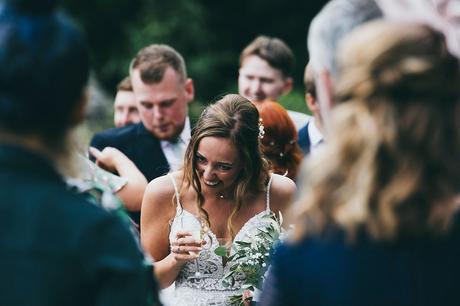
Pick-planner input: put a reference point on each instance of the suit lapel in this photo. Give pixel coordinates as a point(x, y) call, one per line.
point(149, 154)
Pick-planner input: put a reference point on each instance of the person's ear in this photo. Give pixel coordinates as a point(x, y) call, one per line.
point(189, 90)
point(324, 89)
point(311, 103)
point(79, 111)
point(324, 96)
point(287, 87)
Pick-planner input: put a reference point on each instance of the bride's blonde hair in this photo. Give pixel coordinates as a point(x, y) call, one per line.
point(391, 163)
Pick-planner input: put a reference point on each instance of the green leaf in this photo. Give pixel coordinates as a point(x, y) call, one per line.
point(221, 251)
point(239, 256)
point(229, 274)
point(243, 243)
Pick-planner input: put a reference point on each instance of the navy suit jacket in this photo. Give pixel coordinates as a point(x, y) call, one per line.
point(140, 146)
point(331, 272)
point(304, 139)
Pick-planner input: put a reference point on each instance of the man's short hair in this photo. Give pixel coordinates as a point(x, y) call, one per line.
point(125, 84)
point(153, 60)
point(273, 50)
point(331, 24)
point(309, 81)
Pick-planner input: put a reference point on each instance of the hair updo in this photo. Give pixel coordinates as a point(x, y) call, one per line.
point(280, 141)
point(391, 164)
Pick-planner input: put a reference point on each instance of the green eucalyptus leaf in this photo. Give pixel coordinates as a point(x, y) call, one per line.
point(243, 243)
point(221, 251)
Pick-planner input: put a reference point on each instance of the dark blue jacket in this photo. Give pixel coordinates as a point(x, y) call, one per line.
point(58, 249)
point(331, 272)
point(304, 139)
point(140, 146)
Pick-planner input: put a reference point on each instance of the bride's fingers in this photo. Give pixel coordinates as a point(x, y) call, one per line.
point(184, 248)
point(181, 234)
point(185, 257)
point(187, 241)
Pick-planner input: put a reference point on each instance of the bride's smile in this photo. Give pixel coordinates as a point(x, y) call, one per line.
point(218, 164)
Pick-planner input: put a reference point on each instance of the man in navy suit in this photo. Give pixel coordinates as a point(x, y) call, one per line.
point(311, 134)
point(162, 91)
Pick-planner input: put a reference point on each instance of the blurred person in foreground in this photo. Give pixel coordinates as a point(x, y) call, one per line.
point(335, 20)
point(125, 110)
point(377, 222)
point(56, 248)
point(223, 195)
point(279, 140)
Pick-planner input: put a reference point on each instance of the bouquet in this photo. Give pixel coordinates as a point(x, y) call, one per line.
point(251, 258)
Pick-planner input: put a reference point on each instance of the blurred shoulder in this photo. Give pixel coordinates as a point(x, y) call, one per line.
point(282, 186)
point(282, 191)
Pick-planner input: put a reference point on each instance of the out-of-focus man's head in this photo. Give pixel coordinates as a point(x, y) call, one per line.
point(265, 69)
point(125, 109)
point(327, 29)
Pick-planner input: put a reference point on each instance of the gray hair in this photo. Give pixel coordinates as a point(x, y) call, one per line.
point(332, 23)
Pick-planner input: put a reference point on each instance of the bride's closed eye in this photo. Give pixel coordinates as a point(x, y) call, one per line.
point(200, 159)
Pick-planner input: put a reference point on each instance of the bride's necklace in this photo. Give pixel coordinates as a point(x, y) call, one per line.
point(221, 195)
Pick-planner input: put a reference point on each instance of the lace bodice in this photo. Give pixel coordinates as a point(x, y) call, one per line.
point(208, 289)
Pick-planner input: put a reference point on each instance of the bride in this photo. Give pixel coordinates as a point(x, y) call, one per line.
point(223, 194)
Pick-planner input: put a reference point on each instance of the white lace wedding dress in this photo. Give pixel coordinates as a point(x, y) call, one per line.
point(208, 290)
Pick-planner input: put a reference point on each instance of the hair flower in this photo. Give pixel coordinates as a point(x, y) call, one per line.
point(261, 129)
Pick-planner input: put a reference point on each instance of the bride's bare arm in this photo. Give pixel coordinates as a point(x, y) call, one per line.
point(157, 211)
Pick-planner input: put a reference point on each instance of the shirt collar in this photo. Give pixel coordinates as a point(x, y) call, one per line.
point(184, 136)
point(314, 133)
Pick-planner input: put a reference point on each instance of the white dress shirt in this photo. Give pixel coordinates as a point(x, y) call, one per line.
point(175, 151)
point(299, 119)
point(315, 135)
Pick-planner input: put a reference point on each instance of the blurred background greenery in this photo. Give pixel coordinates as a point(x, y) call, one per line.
point(209, 34)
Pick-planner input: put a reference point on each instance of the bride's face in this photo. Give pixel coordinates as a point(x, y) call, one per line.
point(218, 164)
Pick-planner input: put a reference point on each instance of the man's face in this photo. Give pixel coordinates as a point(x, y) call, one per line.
point(125, 109)
point(258, 81)
point(163, 106)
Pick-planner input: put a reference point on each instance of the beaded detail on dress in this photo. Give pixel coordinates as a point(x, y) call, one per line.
point(208, 288)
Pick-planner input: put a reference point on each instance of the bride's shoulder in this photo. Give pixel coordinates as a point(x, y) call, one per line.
point(162, 187)
point(282, 191)
point(282, 185)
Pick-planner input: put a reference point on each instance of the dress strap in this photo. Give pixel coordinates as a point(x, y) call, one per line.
point(267, 200)
point(176, 192)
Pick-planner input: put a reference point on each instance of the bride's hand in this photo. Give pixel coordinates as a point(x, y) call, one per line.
point(186, 248)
